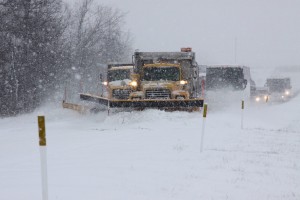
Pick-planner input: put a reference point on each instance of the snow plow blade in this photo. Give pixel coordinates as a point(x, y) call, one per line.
point(76, 107)
point(149, 103)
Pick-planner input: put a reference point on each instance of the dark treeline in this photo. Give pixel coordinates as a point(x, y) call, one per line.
point(45, 43)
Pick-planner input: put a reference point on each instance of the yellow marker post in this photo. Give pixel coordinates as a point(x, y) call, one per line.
point(43, 155)
point(203, 126)
point(205, 111)
point(65, 94)
point(242, 115)
point(42, 131)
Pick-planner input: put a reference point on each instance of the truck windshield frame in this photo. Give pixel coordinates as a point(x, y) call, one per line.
point(162, 73)
point(118, 75)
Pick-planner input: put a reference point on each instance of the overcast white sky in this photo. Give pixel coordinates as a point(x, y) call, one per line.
point(267, 31)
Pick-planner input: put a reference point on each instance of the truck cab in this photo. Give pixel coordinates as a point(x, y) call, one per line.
point(119, 82)
point(166, 75)
point(280, 88)
point(162, 81)
point(232, 78)
point(225, 76)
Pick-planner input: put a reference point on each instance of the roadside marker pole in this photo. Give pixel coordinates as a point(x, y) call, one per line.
point(65, 94)
point(81, 87)
point(108, 108)
point(203, 126)
point(43, 155)
point(242, 116)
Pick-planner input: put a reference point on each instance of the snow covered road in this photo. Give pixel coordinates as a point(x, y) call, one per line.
point(155, 155)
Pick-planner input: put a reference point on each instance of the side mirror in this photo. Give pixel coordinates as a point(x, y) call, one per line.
point(195, 74)
point(245, 84)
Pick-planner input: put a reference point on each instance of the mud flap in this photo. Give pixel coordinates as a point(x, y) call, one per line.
point(149, 103)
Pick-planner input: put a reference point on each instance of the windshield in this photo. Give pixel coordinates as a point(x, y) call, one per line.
point(118, 75)
point(217, 78)
point(161, 73)
point(261, 92)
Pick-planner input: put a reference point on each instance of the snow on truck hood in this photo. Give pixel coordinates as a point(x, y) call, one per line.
point(158, 83)
point(120, 82)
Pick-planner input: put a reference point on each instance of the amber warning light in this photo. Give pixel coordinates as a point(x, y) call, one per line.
point(187, 49)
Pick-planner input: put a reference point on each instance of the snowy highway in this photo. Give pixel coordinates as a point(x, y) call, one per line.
point(155, 154)
point(76, 63)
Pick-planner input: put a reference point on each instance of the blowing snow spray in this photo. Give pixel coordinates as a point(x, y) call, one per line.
point(203, 126)
point(43, 154)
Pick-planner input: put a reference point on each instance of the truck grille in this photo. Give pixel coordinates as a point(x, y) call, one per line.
point(121, 93)
point(158, 94)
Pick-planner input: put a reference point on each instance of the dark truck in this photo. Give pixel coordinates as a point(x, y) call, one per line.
point(279, 88)
point(229, 78)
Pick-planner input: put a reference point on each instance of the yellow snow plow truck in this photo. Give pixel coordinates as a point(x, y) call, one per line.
point(116, 85)
point(118, 82)
point(160, 80)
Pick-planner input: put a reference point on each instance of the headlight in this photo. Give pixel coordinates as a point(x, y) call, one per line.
point(133, 83)
point(287, 92)
point(265, 97)
point(104, 83)
point(182, 82)
point(257, 99)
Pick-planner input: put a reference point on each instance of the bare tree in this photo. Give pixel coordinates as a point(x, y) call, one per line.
point(29, 34)
point(43, 42)
point(97, 37)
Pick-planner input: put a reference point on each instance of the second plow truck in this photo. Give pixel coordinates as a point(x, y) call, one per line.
point(117, 86)
point(118, 82)
point(160, 80)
